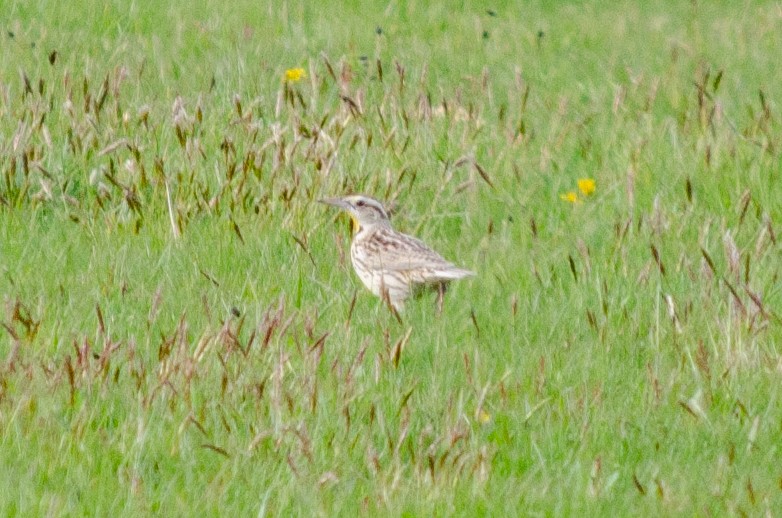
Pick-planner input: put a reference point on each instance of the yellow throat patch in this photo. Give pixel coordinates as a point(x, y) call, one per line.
point(354, 224)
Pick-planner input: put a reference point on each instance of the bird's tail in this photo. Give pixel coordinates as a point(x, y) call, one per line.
point(453, 273)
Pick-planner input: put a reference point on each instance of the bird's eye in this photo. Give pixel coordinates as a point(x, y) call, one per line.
point(360, 203)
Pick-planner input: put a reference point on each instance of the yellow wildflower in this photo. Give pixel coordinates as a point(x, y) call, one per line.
point(570, 197)
point(483, 416)
point(293, 75)
point(586, 186)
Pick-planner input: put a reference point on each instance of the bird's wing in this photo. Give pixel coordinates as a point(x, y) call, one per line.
point(403, 253)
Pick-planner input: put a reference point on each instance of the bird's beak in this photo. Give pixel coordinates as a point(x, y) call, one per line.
point(336, 202)
point(344, 205)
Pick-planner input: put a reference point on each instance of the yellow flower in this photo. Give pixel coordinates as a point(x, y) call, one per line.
point(586, 186)
point(293, 75)
point(483, 416)
point(570, 197)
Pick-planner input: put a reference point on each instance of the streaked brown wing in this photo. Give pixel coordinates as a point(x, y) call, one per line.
point(399, 252)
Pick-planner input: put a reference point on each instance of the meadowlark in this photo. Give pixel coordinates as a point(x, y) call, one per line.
point(392, 265)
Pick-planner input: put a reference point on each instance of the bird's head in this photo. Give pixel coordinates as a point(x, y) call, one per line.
point(364, 210)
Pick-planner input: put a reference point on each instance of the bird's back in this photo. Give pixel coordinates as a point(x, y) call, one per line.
point(391, 251)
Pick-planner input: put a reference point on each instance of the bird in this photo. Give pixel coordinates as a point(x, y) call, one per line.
point(392, 265)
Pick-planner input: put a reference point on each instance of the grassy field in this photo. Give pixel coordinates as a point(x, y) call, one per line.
point(182, 331)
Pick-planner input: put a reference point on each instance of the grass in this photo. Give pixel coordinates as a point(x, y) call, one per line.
point(182, 329)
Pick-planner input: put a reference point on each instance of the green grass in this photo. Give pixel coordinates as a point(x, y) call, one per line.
point(216, 354)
